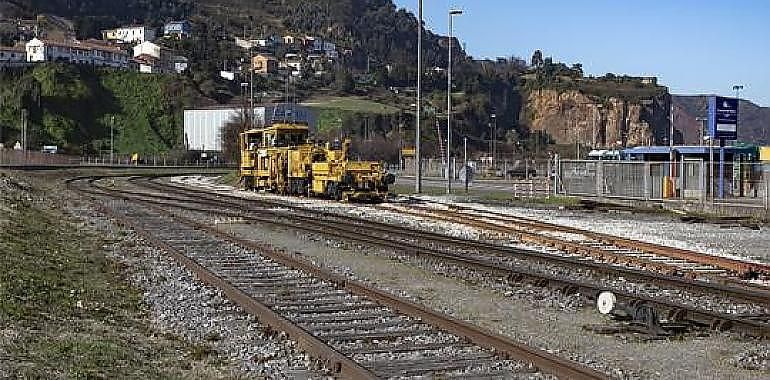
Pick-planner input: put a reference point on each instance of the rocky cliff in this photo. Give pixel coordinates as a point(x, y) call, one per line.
point(601, 122)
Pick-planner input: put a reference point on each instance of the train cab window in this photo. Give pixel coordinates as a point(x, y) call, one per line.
point(254, 140)
point(289, 139)
point(319, 157)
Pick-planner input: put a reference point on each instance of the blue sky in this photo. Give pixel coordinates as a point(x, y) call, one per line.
point(693, 47)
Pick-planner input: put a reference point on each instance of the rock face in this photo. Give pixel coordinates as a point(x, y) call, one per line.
point(571, 116)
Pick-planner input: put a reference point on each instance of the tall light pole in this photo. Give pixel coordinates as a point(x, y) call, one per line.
point(244, 86)
point(251, 83)
point(452, 13)
point(671, 132)
point(112, 139)
point(493, 116)
point(737, 88)
point(417, 156)
point(465, 161)
point(702, 121)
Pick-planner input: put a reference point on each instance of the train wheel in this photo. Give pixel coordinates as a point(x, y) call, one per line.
point(248, 183)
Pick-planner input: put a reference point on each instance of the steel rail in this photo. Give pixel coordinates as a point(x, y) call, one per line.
point(505, 347)
point(739, 266)
point(675, 311)
point(755, 295)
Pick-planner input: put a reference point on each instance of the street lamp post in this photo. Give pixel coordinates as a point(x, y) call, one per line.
point(251, 84)
point(417, 156)
point(702, 121)
point(465, 162)
point(452, 13)
point(244, 85)
point(112, 139)
point(737, 88)
point(493, 116)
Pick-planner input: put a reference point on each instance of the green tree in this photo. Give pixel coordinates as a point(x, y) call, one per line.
point(343, 81)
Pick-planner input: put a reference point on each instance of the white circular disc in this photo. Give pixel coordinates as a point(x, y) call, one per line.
point(606, 302)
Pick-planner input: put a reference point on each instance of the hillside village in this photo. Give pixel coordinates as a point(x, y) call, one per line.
point(532, 100)
point(142, 48)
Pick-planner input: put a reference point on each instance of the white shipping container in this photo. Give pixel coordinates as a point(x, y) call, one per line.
point(203, 127)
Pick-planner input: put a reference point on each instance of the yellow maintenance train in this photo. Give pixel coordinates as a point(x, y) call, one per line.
point(281, 158)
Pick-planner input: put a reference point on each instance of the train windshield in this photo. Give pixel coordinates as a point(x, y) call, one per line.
point(253, 140)
point(292, 138)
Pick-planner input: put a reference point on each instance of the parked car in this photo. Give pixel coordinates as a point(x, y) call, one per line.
point(521, 173)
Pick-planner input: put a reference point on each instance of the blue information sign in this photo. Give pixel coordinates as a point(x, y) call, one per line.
point(723, 118)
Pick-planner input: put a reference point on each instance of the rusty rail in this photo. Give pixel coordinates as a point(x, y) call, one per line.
point(737, 266)
point(739, 292)
point(345, 367)
point(685, 313)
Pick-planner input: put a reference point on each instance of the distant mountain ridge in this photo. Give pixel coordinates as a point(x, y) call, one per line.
point(754, 120)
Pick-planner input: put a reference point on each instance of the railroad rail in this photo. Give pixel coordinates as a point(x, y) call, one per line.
point(352, 225)
point(663, 258)
point(358, 332)
point(384, 235)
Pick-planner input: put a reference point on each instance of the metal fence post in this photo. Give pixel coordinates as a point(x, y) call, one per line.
point(766, 176)
point(599, 178)
point(557, 174)
point(647, 181)
point(702, 182)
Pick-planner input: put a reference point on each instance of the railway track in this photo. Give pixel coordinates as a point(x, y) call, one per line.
point(356, 331)
point(493, 260)
point(579, 242)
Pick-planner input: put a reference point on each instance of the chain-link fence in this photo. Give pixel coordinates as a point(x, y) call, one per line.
point(746, 183)
point(11, 157)
point(156, 160)
point(481, 169)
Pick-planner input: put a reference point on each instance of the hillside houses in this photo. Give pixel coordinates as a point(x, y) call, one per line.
point(15, 54)
point(151, 58)
point(91, 52)
point(292, 55)
point(178, 29)
point(129, 34)
point(264, 64)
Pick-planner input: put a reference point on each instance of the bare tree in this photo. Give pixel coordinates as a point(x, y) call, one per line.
point(229, 135)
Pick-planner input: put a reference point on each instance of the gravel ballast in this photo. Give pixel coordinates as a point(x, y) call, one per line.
point(181, 305)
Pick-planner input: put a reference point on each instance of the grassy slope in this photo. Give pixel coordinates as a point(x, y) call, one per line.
point(77, 105)
point(333, 112)
point(352, 104)
point(66, 312)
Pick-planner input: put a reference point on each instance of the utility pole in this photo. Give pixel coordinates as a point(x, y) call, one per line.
point(417, 157)
point(494, 141)
point(671, 131)
point(738, 88)
point(452, 13)
point(491, 149)
point(112, 138)
point(465, 162)
point(671, 153)
point(417, 154)
point(24, 129)
point(702, 128)
point(251, 82)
